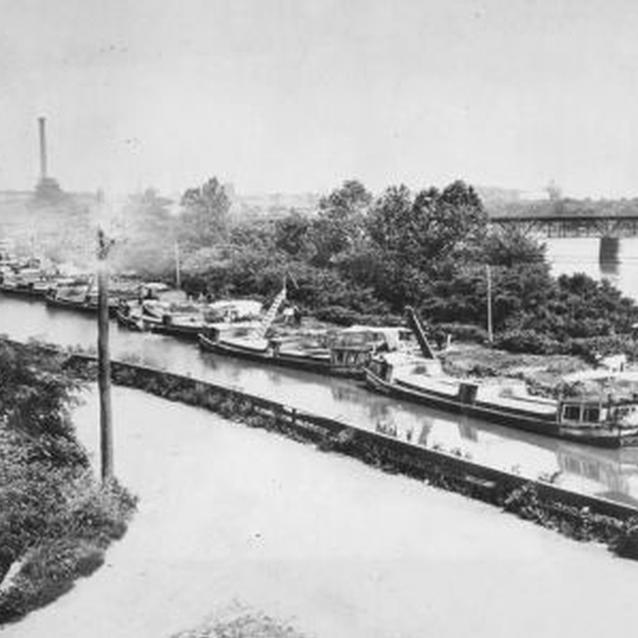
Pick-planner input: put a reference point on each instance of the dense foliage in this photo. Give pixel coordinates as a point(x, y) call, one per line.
point(361, 258)
point(56, 520)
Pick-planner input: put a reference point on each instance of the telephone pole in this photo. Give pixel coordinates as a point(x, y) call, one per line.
point(178, 275)
point(104, 359)
point(490, 332)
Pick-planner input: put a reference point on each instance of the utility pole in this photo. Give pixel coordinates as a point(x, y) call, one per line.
point(178, 274)
point(104, 359)
point(490, 332)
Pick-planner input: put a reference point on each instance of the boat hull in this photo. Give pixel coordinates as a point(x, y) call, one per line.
point(282, 359)
point(600, 436)
point(23, 291)
point(128, 322)
point(189, 333)
point(78, 306)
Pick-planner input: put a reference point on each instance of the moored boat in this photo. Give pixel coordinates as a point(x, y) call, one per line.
point(591, 420)
point(26, 281)
point(342, 353)
point(71, 293)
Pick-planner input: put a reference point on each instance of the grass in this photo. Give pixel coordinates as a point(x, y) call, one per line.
point(55, 535)
point(246, 624)
point(57, 519)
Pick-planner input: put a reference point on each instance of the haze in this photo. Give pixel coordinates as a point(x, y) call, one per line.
point(294, 96)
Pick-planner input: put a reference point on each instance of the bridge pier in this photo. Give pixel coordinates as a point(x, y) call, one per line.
point(608, 255)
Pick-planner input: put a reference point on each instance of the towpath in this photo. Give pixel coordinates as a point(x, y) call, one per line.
point(232, 516)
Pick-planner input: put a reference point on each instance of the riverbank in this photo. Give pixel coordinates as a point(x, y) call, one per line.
point(231, 516)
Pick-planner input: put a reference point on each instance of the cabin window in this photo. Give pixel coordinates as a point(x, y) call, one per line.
point(591, 415)
point(571, 412)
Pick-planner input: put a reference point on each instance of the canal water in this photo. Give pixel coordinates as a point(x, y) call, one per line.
point(612, 474)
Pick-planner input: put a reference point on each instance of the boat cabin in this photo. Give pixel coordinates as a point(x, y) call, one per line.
point(350, 356)
point(378, 339)
point(583, 412)
point(596, 412)
point(233, 310)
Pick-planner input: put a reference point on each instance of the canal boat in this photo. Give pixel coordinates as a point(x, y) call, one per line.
point(183, 320)
point(72, 294)
point(343, 353)
point(80, 294)
point(26, 281)
point(591, 420)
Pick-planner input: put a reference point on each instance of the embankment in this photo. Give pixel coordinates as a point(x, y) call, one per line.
point(580, 516)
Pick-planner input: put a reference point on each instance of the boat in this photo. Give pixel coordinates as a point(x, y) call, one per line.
point(80, 293)
point(73, 294)
point(420, 379)
point(163, 311)
point(26, 281)
point(343, 353)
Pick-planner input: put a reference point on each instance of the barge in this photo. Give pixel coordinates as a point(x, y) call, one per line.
point(343, 354)
point(609, 422)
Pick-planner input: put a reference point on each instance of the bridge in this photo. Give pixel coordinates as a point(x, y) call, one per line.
point(604, 226)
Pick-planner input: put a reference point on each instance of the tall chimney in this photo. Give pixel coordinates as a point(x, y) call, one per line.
point(43, 147)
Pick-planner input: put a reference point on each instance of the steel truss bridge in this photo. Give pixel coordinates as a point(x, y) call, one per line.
point(572, 226)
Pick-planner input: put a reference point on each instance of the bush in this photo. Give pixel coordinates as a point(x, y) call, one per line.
point(526, 341)
point(56, 520)
point(463, 331)
point(626, 543)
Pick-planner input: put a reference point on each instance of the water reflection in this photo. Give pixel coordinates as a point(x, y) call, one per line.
point(612, 473)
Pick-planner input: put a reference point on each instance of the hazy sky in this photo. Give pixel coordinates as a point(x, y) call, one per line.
point(296, 95)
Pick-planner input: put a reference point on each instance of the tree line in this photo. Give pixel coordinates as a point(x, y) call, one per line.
point(362, 258)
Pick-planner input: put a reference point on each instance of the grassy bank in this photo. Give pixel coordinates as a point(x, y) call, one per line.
point(57, 520)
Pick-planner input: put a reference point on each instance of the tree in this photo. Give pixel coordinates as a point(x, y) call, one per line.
point(291, 234)
point(509, 246)
point(340, 222)
point(204, 218)
point(150, 233)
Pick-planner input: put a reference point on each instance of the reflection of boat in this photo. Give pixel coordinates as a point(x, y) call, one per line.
point(420, 379)
point(609, 473)
point(344, 354)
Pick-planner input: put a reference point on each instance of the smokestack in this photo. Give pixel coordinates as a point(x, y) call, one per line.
point(43, 147)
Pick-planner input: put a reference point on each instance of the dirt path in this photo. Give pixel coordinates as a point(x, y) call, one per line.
point(233, 515)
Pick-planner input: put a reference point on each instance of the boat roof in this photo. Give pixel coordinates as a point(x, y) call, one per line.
point(156, 286)
point(384, 330)
point(246, 305)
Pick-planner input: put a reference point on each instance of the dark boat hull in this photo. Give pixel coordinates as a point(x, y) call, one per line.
point(128, 322)
point(23, 292)
point(78, 306)
point(284, 360)
point(189, 333)
point(520, 420)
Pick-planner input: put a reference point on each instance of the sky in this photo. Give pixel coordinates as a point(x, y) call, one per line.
point(299, 95)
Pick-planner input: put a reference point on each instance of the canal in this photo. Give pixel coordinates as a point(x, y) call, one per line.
point(611, 474)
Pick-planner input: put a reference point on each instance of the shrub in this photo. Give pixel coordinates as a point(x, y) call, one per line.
point(526, 341)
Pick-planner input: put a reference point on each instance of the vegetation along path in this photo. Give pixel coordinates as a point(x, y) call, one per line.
point(234, 518)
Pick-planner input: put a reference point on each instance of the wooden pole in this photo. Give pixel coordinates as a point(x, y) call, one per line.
point(490, 332)
point(178, 274)
point(104, 361)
